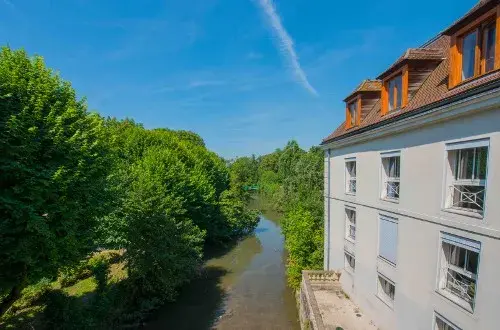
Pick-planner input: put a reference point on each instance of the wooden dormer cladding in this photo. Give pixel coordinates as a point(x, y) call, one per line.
point(475, 39)
point(364, 98)
point(418, 72)
point(402, 80)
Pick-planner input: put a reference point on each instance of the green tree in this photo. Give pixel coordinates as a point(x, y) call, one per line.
point(292, 181)
point(164, 246)
point(53, 169)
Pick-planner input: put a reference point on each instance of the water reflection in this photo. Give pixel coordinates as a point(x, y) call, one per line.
point(240, 288)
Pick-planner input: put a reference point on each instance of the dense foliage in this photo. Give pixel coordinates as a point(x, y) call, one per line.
point(72, 182)
point(291, 180)
point(53, 167)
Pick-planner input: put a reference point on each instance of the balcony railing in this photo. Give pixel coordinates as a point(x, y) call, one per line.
point(467, 196)
point(460, 285)
point(392, 188)
point(351, 185)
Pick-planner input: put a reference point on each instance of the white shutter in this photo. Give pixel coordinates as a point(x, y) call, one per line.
point(388, 238)
point(461, 241)
point(468, 144)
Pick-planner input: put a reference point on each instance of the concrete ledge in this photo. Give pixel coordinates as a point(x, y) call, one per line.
point(310, 316)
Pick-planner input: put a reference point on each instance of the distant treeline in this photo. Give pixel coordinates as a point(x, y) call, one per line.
point(73, 184)
point(291, 180)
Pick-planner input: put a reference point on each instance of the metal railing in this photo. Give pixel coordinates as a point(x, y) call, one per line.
point(463, 287)
point(352, 185)
point(392, 188)
point(468, 197)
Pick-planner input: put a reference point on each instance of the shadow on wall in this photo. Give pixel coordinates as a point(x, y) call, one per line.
point(462, 127)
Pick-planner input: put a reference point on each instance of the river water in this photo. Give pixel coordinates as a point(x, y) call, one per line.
point(241, 287)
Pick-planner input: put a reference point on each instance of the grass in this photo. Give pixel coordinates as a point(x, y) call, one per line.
point(81, 288)
point(27, 312)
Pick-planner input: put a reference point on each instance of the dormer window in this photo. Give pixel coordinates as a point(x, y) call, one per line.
point(353, 112)
point(395, 90)
point(473, 48)
point(395, 87)
point(468, 55)
point(482, 61)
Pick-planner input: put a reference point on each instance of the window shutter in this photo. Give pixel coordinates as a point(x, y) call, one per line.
point(468, 144)
point(461, 241)
point(388, 239)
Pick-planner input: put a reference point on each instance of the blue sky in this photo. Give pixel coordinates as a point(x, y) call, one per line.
point(247, 75)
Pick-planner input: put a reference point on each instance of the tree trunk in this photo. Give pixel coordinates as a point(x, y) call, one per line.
point(14, 294)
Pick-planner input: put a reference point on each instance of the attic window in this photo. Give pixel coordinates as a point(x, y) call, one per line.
point(395, 91)
point(353, 113)
point(475, 63)
point(395, 87)
point(473, 49)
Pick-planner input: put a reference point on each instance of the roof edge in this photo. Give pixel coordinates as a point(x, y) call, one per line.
point(455, 98)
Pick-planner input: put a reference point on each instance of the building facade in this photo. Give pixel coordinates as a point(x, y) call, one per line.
point(412, 184)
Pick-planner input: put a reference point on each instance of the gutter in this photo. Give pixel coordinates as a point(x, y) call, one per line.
point(426, 108)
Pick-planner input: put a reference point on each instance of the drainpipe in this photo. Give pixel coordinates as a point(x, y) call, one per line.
point(327, 234)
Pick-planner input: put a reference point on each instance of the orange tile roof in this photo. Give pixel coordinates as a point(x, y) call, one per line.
point(433, 89)
point(366, 85)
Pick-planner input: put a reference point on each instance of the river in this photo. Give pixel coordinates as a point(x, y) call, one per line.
point(241, 287)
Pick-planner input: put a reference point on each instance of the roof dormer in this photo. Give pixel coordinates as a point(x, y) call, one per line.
point(402, 79)
point(361, 101)
point(475, 42)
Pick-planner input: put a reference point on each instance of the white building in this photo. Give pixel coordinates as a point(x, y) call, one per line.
point(412, 184)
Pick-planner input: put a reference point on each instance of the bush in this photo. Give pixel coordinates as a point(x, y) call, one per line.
point(165, 247)
point(304, 242)
point(70, 275)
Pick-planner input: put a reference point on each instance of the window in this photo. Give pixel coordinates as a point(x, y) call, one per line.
point(390, 176)
point(386, 290)
point(489, 41)
point(353, 113)
point(350, 224)
point(476, 51)
point(459, 267)
point(440, 323)
point(468, 163)
point(395, 90)
point(388, 239)
point(349, 262)
point(350, 166)
point(468, 55)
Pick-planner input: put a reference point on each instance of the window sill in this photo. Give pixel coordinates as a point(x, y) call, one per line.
point(456, 300)
point(390, 263)
point(390, 200)
point(350, 193)
point(350, 240)
point(471, 79)
point(472, 214)
point(388, 304)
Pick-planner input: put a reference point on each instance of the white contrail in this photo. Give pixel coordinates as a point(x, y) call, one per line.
point(8, 3)
point(286, 47)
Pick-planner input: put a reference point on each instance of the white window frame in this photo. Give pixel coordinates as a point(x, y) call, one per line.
point(444, 275)
point(383, 217)
point(350, 225)
point(347, 266)
point(391, 185)
point(350, 180)
point(443, 319)
point(459, 191)
point(381, 292)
